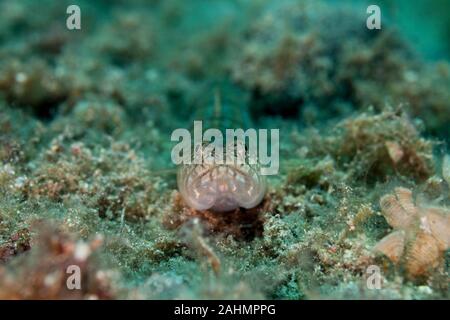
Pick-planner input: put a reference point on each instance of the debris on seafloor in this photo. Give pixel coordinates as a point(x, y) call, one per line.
point(17, 243)
point(421, 233)
point(194, 237)
point(45, 272)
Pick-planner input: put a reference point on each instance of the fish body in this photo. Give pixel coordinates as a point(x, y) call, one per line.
point(229, 184)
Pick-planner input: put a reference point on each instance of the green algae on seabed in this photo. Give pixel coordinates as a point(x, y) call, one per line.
point(85, 170)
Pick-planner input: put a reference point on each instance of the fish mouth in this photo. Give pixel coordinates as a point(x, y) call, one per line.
point(222, 189)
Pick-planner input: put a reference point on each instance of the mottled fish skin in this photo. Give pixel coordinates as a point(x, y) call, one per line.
point(223, 187)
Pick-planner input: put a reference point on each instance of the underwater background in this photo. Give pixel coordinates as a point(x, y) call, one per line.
point(86, 177)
